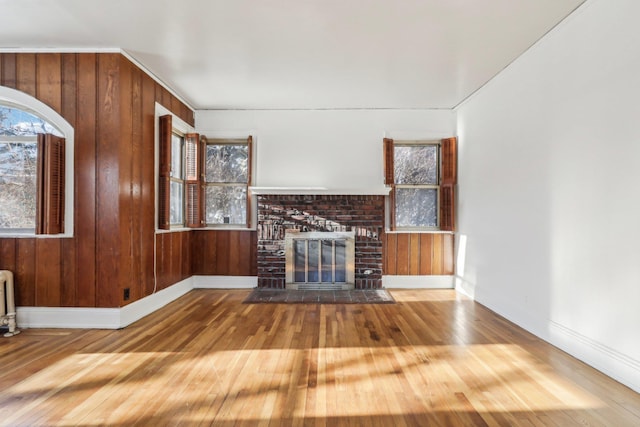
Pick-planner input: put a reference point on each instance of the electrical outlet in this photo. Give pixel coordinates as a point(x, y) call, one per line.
point(127, 293)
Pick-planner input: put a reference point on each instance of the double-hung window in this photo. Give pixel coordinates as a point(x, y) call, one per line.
point(422, 177)
point(227, 180)
point(202, 182)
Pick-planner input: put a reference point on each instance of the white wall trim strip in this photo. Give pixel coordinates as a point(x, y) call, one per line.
point(68, 317)
point(147, 305)
point(418, 282)
point(616, 365)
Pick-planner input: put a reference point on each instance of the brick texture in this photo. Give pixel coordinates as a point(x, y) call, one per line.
point(362, 214)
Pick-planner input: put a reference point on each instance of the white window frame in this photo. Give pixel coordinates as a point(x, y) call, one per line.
point(227, 141)
point(420, 143)
point(180, 180)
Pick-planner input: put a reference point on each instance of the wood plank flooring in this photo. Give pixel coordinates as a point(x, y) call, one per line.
point(433, 359)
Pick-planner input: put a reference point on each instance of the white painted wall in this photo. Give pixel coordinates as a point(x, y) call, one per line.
point(549, 204)
point(336, 149)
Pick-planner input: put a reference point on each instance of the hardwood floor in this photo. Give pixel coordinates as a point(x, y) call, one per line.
point(432, 359)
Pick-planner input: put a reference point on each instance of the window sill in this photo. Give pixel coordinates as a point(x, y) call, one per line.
point(417, 231)
point(34, 236)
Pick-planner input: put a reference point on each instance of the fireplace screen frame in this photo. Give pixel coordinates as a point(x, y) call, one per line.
point(291, 236)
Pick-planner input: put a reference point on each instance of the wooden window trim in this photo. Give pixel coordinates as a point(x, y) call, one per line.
point(389, 180)
point(50, 184)
point(249, 177)
point(164, 171)
point(194, 176)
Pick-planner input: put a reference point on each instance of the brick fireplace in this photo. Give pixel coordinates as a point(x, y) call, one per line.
point(361, 214)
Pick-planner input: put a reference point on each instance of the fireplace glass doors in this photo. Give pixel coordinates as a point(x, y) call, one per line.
point(319, 260)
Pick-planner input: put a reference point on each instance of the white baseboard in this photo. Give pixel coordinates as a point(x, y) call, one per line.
point(224, 282)
point(147, 305)
point(68, 317)
point(418, 282)
point(610, 362)
point(116, 318)
point(619, 366)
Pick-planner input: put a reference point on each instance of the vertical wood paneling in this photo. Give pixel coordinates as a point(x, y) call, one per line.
point(224, 252)
point(426, 249)
point(69, 280)
point(414, 254)
point(436, 254)
point(418, 254)
point(26, 73)
point(391, 253)
point(107, 184)
point(8, 73)
point(402, 254)
point(48, 272)
point(254, 254)
point(222, 258)
point(25, 272)
point(125, 167)
point(147, 184)
point(139, 237)
point(186, 255)
point(69, 88)
point(8, 254)
point(85, 179)
point(176, 257)
point(234, 254)
point(110, 103)
point(448, 254)
point(159, 268)
point(48, 80)
point(68, 109)
point(8, 261)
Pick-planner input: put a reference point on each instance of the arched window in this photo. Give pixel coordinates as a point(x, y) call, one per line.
point(33, 177)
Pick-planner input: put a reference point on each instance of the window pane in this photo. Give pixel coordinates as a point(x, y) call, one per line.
point(299, 254)
point(176, 156)
point(226, 163)
point(15, 122)
point(416, 207)
point(226, 204)
point(416, 164)
point(18, 184)
point(176, 205)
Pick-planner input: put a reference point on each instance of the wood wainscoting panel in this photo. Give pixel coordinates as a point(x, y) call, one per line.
point(224, 252)
point(423, 254)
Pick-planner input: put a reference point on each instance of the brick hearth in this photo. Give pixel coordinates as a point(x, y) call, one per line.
point(359, 213)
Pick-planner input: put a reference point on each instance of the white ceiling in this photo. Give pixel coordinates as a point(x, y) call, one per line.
point(297, 54)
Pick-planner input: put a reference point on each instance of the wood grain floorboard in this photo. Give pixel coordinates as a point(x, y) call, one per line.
point(433, 359)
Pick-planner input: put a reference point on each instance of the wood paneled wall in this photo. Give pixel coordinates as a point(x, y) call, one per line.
point(224, 252)
point(174, 258)
point(408, 254)
point(111, 104)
